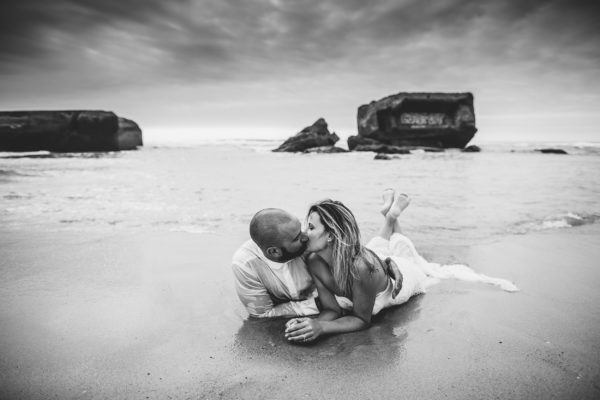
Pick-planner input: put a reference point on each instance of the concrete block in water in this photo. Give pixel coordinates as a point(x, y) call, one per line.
point(442, 120)
point(67, 131)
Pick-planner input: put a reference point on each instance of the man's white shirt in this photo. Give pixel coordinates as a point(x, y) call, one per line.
point(270, 289)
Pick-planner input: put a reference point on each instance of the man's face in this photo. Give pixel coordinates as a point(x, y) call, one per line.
point(293, 240)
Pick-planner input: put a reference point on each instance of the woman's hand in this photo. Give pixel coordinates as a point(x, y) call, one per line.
point(303, 330)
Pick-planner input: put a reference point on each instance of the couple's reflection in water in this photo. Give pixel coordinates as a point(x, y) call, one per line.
point(379, 345)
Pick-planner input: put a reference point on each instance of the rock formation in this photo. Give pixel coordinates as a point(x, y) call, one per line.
point(67, 131)
point(316, 135)
point(440, 120)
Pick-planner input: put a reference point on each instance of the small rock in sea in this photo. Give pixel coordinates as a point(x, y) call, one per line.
point(382, 156)
point(316, 135)
point(552, 151)
point(472, 149)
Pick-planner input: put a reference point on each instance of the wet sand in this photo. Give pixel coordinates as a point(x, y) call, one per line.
point(155, 316)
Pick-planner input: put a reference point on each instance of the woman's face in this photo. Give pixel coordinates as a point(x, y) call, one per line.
point(317, 236)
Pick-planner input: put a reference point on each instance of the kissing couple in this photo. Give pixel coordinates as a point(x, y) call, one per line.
point(325, 271)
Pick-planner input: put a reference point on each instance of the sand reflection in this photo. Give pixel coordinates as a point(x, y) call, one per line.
point(379, 346)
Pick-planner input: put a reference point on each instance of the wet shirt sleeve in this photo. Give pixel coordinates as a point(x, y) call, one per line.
point(254, 296)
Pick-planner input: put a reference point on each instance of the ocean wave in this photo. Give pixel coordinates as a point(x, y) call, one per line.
point(10, 172)
point(559, 221)
point(190, 229)
point(7, 175)
point(587, 144)
point(17, 196)
point(46, 154)
point(21, 154)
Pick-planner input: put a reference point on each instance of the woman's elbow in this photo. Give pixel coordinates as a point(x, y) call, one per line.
point(363, 323)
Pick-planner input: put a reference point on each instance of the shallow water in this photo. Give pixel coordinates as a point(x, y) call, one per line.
point(457, 197)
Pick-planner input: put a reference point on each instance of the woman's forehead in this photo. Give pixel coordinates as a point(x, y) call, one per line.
point(314, 218)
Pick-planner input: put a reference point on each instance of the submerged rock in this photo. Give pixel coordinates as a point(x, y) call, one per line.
point(552, 151)
point(316, 135)
point(381, 148)
point(67, 131)
point(325, 149)
point(378, 147)
point(472, 149)
point(441, 120)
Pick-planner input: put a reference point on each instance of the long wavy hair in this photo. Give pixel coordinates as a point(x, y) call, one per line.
point(339, 221)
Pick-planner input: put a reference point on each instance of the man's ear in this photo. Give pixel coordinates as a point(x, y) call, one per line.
point(274, 252)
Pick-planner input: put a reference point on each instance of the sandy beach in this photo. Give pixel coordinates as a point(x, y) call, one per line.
point(99, 315)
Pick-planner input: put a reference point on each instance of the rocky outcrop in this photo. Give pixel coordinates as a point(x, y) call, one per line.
point(439, 120)
point(316, 135)
point(67, 131)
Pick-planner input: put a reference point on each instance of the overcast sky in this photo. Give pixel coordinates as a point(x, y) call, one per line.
point(268, 68)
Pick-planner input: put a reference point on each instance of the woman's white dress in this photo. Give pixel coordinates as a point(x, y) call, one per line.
point(418, 274)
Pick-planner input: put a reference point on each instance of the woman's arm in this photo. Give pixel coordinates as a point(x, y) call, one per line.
point(364, 291)
point(330, 309)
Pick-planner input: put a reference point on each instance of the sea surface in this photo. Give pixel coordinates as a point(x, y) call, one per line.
point(215, 187)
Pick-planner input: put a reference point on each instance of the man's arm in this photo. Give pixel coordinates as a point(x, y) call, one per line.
point(255, 297)
point(394, 272)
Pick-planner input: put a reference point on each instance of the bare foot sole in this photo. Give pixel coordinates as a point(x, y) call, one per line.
point(388, 199)
point(401, 201)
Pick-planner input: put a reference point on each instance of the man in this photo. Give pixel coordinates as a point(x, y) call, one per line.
point(271, 275)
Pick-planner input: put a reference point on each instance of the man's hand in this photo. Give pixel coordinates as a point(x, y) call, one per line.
point(395, 274)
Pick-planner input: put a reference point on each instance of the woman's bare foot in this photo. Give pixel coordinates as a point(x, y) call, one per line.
point(401, 201)
point(388, 199)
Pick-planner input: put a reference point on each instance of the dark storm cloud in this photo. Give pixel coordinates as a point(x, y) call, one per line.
point(23, 22)
point(234, 37)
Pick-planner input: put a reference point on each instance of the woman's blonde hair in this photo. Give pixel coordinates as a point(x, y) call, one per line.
point(339, 221)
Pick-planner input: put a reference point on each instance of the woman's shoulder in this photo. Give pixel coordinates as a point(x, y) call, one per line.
point(362, 266)
point(313, 260)
point(368, 264)
point(367, 261)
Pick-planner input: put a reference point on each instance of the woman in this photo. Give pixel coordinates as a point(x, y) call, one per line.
point(351, 275)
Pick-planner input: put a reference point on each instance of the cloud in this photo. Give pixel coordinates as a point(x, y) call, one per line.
point(247, 36)
point(512, 54)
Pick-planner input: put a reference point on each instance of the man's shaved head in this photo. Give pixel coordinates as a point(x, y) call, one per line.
point(266, 226)
point(278, 234)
